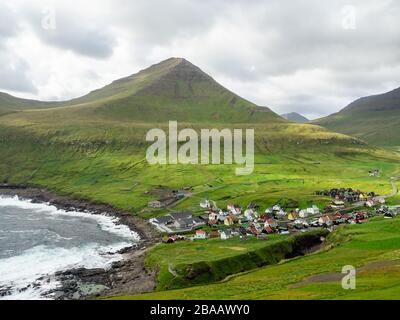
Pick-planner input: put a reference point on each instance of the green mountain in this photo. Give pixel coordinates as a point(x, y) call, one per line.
point(174, 89)
point(375, 119)
point(295, 117)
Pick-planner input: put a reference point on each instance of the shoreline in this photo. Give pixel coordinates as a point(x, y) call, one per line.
point(128, 275)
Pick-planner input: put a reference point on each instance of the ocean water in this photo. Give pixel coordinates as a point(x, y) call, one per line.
point(37, 240)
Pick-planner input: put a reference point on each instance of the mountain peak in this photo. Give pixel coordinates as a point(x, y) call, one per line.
point(183, 70)
point(295, 117)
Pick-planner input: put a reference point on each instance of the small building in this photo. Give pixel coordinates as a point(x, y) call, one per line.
point(314, 210)
point(181, 215)
point(229, 221)
point(198, 221)
point(337, 204)
point(283, 226)
point(205, 204)
point(200, 235)
point(303, 213)
point(163, 220)
point(251, 215)
point(293, 215)
point(184, 223)
point(369, 203)
point(214, 234)
point(225, 234)
point(268, 230)
point(234, 209)
point(270, 223)
point(325, 220)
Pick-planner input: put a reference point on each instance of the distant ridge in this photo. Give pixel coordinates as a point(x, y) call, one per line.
point(375, 119)
point(295, 117)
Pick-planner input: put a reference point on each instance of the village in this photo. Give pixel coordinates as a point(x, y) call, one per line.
point(347, 206)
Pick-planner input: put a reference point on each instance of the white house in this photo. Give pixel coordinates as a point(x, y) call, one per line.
point(303, 213)
point(313, 210)
point(205, 204)
point(251, 215)
point(369, 203)
point(276, 207)
point(234, 209)
point(212, 216)
point(200, 235)
point(280, 213)
point(225, 234)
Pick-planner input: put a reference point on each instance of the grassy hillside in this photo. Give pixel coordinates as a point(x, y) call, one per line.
point(374, 249)
point(375, 119)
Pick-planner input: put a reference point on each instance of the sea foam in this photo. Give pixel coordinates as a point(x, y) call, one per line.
point(29, 274)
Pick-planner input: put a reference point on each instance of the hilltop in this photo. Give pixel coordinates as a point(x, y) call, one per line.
point(295, 117)
point(375, 119)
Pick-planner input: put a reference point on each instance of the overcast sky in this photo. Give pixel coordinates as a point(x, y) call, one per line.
point(309, 56)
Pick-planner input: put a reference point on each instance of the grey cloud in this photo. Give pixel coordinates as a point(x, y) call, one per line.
point(156, 22)
point(73, 32)
point(14, 75)
point(8, 23)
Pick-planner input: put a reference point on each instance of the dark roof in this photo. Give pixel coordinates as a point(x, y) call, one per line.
point(198, 219)
point(181, 215)
point(164, 219)
point(283, 225)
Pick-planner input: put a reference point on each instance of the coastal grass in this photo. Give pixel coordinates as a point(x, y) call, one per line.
point(373, 248)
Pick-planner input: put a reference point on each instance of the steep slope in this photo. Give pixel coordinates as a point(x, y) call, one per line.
point(376, 119)
point(295, 117)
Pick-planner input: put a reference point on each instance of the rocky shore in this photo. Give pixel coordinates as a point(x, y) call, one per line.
point(129, 275)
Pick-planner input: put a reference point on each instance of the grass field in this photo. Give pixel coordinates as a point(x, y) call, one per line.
point(373, 248)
